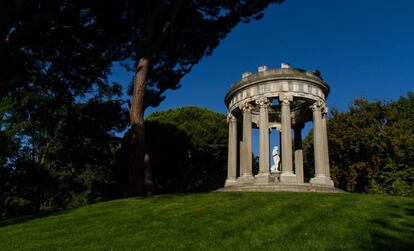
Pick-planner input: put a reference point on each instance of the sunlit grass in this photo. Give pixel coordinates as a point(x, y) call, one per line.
point(223, 221)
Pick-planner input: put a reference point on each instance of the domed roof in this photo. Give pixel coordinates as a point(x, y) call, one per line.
point(284, 73)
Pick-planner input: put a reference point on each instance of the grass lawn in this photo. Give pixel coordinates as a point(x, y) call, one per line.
point(222, 221)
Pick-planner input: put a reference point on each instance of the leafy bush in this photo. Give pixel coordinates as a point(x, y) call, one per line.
point(188, 149)
point(371, 146)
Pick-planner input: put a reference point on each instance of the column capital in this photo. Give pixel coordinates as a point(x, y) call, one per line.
point(285, 99)
point(319, 105)
point(263, 102)
point(278, 127)
point(324, 109)
point(247, 107)
point(230, 117)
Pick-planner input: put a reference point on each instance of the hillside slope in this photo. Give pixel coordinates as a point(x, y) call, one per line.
point(223, 221)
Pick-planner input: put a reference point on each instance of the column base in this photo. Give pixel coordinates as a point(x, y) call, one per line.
point(322, 180)
point(246, 178)
point(288, 178)
point(230, 182)
point(300, 180)
point(263, 179)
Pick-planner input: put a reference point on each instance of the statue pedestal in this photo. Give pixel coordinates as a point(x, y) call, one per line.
point(274, 169)
point(276, 176)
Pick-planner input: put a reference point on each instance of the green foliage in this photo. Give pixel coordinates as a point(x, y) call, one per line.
point(58, 115)
point(62, 157)
point(205, 128)
point(67, 43)
point(160, 41)
point(58, 118)
point(175, 35)
point(372, 146)
point(188, 149)
point(255, 164)
point(222, 221)
point(308, 158)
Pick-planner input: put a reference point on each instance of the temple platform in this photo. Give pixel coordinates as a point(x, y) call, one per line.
point(280, 187)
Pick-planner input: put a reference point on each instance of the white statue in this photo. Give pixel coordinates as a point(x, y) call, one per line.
point(276, 160)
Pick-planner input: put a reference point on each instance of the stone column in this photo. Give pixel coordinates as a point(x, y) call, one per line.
point(241, 157)
point(287, 175)
point(298, 153)
point(232, 151)
point(318, 145)
point(246, 154)
point(325, 144)
point(280, 142)
point(264, 166)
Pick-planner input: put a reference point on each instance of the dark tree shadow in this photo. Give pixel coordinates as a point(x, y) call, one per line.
point(22, 219)
point(393, 231)
point(177, 165)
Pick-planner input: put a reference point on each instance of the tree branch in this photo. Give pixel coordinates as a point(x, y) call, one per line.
point(78, 41)
point(7, 39)
point(178, 4)
point(63, 27)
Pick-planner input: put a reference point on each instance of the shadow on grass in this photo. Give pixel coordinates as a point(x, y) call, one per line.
point(394, 231)
point(23, 219)
point(43, 214)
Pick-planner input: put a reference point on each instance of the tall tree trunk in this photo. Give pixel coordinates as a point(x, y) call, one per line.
point(140, 176)
point(2, 88)
point(148, 183)
point(138, 145)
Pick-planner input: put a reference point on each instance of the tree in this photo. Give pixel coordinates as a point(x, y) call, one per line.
point(167, 39)
point(54, 60)
point(64, 160)
point(191, 148)
point(371, 146)
point(58, 114)
point(75, 40)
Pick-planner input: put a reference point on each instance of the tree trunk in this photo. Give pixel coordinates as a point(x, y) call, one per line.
point(2, 88)
point(140, 175)
point(148, 183)
point(138, 170)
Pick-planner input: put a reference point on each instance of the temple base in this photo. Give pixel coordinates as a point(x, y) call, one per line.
point(245, 179)
point(288, 178)
point(264, 179)
point(280, 187)
point(230, 182)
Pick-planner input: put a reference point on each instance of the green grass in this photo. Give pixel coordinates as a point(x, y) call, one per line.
point(223, 221)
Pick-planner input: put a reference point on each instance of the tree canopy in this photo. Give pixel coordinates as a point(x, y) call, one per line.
point(191, 148)
point(164, 41)
point(372, 146)
point(60, 118)
point(57, 144)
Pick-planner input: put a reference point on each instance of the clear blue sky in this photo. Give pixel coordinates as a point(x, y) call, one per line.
point(362, 48)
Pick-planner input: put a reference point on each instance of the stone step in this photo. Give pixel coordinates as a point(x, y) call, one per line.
point(278, 187)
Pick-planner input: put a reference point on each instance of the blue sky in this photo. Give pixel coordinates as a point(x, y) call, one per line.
point(361, 47)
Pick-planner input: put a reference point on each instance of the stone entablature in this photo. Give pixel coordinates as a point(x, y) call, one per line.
point(274, 82)
point(284, 99)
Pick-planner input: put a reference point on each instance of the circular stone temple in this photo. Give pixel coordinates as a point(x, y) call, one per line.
point(283, 99)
